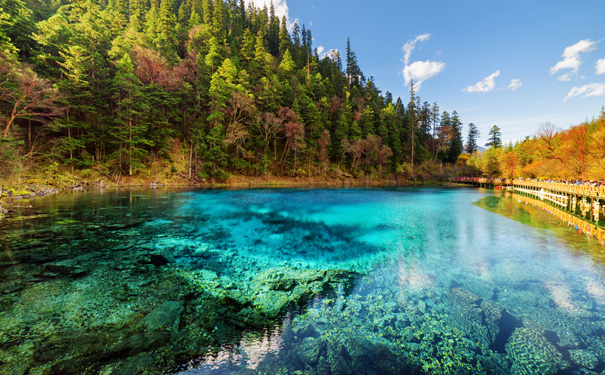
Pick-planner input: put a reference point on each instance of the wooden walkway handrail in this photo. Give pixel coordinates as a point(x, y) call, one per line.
point(591, 191)
point(585, 190)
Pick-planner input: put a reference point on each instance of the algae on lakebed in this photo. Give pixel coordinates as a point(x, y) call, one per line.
point(286, 281)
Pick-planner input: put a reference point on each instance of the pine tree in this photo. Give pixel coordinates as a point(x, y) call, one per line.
point(353, 71)
point(284, 37)
point(207, 8)
point(248, 43)
point(218, 21)
point(260, 54)
point(435, 117)
point(137, 11)
point(167, 39)
point(273, 33)
point(495, 137)
point(455, 140)
point(287, 63)
point(195, 19)
point(412, 115)
point(131, 103)
point(471, 142)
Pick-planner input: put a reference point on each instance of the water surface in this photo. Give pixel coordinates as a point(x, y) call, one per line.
point(360, 281)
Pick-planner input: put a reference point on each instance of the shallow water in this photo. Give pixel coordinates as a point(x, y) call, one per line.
point(360, 281)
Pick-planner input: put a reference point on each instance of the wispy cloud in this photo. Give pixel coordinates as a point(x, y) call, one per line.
point(572, 58)
point(565, 77)
point(591, 89)
point(419, 71)
point(515, 84)
point(600, 66)
point(487, 85)
point(410, 45)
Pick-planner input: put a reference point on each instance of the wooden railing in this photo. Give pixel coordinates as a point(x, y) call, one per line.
point(590, 191)
point(585, 190)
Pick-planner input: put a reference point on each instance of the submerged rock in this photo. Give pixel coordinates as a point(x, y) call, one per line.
point(275, 290)
point(531, 353)
point(584, 358)
point(480, 319)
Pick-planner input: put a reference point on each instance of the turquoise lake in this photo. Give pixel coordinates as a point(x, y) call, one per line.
point(297, 281)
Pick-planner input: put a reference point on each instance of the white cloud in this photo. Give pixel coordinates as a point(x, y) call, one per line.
point(591, 89)
point(280, 6)
point(420, 71)
point(600, 66)
point(565, 77)
point(320, 50)
point(515, 84)
point(571, 57)
point(487, 85)
point(410, 45)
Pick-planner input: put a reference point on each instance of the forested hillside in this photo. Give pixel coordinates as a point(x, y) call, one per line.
point(198, 89)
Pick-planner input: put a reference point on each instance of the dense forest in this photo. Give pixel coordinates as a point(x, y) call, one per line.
point(196, 90)
point(574, 153)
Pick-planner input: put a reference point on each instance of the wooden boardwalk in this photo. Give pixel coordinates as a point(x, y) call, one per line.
point(583, 202)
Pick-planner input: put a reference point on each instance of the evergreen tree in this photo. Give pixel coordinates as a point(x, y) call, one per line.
point(218, 21)
point(248, 45)
point(435, 117)
point(273, 33)
point(495, 137)
point(353, 71)
point(207, 11)
point(167, 39)
point(284, 37)
point(471, 142)
point(130, 132)
point(455, 139)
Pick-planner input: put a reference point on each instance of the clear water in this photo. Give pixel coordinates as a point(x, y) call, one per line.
point(361, 281)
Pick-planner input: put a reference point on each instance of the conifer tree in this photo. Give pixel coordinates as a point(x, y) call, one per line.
point(273, 34)
point(455, 139)
point(218, 21)
point(284, 37)
point(287, 64)
point(130, 132)
point(207, 11)
point(471, 142)
point(495, 137)
point(248, 45)
point(167, 39)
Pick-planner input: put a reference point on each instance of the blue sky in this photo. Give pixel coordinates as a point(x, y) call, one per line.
point(515, 64)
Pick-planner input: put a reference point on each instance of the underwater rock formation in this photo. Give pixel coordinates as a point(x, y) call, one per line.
point(532, 353)
point(480, 319)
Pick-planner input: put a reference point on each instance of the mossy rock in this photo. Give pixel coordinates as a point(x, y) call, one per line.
point(276, 290)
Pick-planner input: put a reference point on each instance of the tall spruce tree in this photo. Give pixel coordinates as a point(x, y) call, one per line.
point(495, 137)
point(471, 141)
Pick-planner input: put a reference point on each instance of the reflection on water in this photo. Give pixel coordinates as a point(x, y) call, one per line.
point(378, 281)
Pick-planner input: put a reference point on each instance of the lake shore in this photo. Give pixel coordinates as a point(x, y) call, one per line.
point(26, 189)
